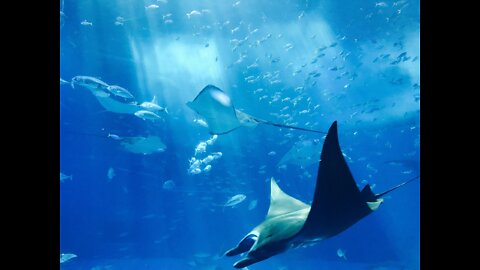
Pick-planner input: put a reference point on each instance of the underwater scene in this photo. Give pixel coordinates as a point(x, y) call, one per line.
point(239, 134)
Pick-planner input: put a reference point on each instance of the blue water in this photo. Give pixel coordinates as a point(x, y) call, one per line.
point(369, 82)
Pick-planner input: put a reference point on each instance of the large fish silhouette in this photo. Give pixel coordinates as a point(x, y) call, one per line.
point(337, 204)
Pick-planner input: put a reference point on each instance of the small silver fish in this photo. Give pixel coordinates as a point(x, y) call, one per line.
point(114, 136)
point(381, 4)
point(64, 177)
point(153, 107)
point(217, 155)
point(91, 83)
point(168, 185)
point(342, 253)
point(193, 12)
point(252, 204)
point(208, 159)
point(120, 91)
point(152, 6)
point(147, 115)
point(234, 200)
point(65, 257)
point(110, 173)
point(207, 168)
point(201, 122)
point(86, 23)
point(200, 148)
point(212, 139)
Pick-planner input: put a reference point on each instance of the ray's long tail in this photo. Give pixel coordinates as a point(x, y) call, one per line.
point(397, 186)
point(286, 126)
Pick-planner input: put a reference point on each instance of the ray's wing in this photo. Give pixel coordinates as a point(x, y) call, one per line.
point(246, 119)
point(337, 202)
point(282, 203)
point(217, 109)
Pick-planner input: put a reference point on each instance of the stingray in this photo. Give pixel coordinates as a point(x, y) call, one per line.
point(143, 145)
point(290, 223)
point(303, 153)
point(216, 107)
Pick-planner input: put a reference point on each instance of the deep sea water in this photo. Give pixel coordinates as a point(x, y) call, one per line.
point(303, 63)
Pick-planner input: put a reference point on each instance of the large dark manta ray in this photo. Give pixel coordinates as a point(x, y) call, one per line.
point(337, 205)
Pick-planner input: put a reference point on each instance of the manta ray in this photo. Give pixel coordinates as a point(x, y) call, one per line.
point(216, 107)
point(303, 153)
point(337, 205)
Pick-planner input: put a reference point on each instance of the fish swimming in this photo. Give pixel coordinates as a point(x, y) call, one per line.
point(337, 205)
point(96, 86)
point(152, 6)
point(168, 185)
point(153, 106)
point(86, 23)
point(410, 164)
point(64, 177)
point(193, 12)
point(234, 200)
point(114, 136)
point(252, 204)
point(147, 115)
point(120, 92)
point(342, 254)
point(65, 257)
point(110, 173)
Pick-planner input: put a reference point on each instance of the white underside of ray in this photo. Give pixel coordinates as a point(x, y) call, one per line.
point(282, 203)
point(281, 227)
point(217, 109)
point(285, 218)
